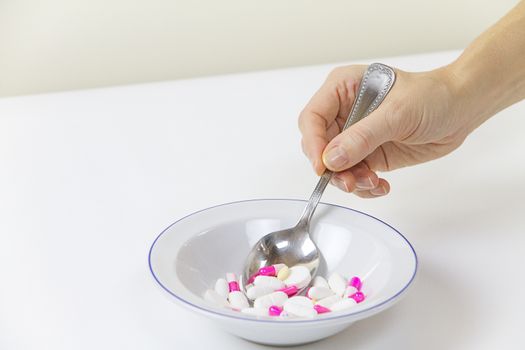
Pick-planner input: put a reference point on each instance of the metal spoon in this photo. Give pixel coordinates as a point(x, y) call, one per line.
point(294, 246)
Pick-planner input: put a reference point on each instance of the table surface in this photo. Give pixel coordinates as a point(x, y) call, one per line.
point(89, 178)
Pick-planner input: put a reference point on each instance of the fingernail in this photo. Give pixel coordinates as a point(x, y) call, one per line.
point(364, 183)
point(336, 158)
point(378, 191)
point(340, 184)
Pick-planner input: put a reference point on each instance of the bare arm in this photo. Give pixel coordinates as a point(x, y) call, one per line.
point(426, 115)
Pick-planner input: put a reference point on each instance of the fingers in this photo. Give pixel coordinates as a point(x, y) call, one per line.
point(320, 120)
point(382, 189)
point(362, 181)
point(357, 142)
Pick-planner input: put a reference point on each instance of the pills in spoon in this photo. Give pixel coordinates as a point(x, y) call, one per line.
point(273, 292)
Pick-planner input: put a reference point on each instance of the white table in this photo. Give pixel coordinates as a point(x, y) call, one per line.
point(89, 178)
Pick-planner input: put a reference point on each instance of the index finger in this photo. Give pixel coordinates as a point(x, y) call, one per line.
point(326, 112)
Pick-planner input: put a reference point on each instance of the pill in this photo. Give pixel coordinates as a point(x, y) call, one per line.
point(299, 276)
point(222, 287)
point(255, 312)
point(252, 278)
point(321, 309)
point(355, 282)
point(319, 293)
point(337, 283)
point(358, 297)
point(268, 281)
point(300, 306)
point(343, 304)
point(320, 281)
point(237, 299)
point(349, 291)
point(290, 290)
point(257, 291)
point(329, 301)
point(300, 300)
point(215, 298)
point(275, 298)
point(271, 270)
point(283, 273)
point(275, 310)
point(232, 282)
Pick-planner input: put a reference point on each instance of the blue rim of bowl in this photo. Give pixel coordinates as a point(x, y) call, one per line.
point(247, 318)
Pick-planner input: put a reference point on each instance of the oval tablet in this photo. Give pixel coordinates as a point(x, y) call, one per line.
point(273, 299)
point(268, 281)
point(337, 283)
point(343, 304)
point(320, 281)
point(300, 306)
point(255, 292)
point(299, 276)
point(319, 293)
point(222, 288)
point(329, 301)
point(283, 273)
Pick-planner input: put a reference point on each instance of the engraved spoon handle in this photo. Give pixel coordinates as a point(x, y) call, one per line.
point(375, 85)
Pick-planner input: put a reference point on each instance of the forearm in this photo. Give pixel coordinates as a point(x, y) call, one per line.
point(490, 74)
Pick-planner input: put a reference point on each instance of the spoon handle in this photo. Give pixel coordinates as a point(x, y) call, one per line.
point(375, 85)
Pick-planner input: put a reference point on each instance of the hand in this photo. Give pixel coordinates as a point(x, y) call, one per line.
point(422, 118)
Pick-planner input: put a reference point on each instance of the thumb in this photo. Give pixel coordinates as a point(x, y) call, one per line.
point(358, 141)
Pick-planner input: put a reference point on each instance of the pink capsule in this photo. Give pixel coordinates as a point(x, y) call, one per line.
point(233, 286)
point(271, 270)
point(252, 278)
point(358, 297)
point(321, 309)
point(355, 282)
point(275, 310)
point(290, 290)
point(268, 271)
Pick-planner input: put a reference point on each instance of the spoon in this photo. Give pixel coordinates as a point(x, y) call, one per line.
point(293, 246)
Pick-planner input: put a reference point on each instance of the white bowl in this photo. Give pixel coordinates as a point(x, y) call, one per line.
point(189, 256)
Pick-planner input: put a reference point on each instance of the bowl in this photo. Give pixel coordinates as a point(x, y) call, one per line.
point(192, 253)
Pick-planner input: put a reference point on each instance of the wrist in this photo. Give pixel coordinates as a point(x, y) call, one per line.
point(471, 98)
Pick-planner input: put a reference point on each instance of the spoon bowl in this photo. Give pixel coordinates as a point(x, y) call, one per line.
point(291, 247)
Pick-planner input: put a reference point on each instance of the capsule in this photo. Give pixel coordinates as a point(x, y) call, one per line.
point(236, 298)
point(355, 282)
point(290, 290)
point(358, 297)
point(275, 310)
point(271, 270)
point(321, 309)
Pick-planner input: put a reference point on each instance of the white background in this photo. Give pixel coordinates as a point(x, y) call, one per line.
point(69, 44)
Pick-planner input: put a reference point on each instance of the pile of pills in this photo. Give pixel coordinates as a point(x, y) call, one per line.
point(273, 291)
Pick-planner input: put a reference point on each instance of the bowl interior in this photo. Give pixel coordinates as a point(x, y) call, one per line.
point(189, 256)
